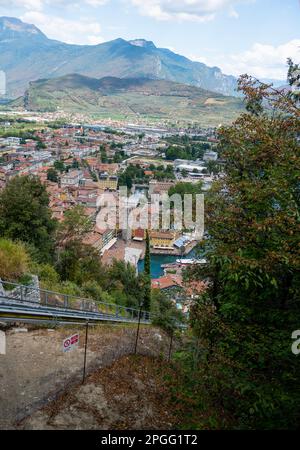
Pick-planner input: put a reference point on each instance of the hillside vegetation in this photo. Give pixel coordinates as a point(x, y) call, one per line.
point(130, 98)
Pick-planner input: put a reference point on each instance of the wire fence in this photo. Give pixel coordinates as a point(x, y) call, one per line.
point(41, 362)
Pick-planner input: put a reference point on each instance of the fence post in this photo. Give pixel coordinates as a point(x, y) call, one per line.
point(137, 331)
point(85, 349)
point(66, 302)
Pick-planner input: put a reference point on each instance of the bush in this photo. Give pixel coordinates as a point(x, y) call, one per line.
point(14, 260)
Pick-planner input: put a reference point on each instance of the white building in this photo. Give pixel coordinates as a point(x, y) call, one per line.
point(185, 164)
point(71, 178)
point(209, 155)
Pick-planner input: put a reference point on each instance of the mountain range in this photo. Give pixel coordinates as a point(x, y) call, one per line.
point(26, 54)
point(130, 98)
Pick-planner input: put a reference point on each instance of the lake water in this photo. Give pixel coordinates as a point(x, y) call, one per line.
point(157, 260)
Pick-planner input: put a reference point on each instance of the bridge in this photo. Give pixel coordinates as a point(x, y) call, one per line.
point(23, 303)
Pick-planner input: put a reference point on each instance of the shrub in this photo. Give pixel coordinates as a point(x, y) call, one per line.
point(14, 260)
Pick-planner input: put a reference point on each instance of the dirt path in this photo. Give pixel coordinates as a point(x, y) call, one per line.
point(35, 370)
point(130, 394)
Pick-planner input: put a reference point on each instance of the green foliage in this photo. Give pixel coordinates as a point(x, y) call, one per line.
point(40, 145)
point(185, 147)
point(14, 260)
point(121, 279)
point(186, 188)
point(75, 226)
point(166, 315)
point(243, 324)
point(52, 175)
point(79, 263)
point(161, 173)
point(47, 274)
point(147, 274)
point(103, 153)
point(125, 99)
point(59, 166)
point(93, 290)
point(25, 215)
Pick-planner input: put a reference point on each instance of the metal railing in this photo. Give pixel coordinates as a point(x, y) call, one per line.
point(14, 294)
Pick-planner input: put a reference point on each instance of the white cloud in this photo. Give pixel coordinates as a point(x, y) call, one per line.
point(233, 13)
point(39, 5)
point(81, 31)
point(261, 60)
point(35, 5)
point(96, 3)
point(193, 10)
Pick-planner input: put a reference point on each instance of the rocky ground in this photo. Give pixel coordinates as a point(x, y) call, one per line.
point(35, 370)
point(130, 394)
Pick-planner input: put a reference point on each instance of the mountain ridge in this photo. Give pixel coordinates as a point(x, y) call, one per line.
point(25, 50)
point(128, 98)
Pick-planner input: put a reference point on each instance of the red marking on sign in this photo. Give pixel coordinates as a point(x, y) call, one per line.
point(71, 342)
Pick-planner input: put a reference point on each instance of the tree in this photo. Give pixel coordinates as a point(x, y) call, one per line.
point(59, 165)
point(25, 215)
point(122, 281)
point(40, 145)
point(52, 175)
point(79, 263)
point(147, 273)
point(183, 188)
point(252, 220)
point(184, 173)
point(103, 154)
point(165, 313)
point(75, 226)
point(213, 167)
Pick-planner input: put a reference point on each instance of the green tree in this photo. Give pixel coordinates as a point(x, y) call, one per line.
point(122, 278)
point(79, 263)
point(252, 303)
point(52, 175)
point(60, 166)
point(75, 226)
point(40, 145)
point(25, 215)
point(103, 154)
point(165, 313)
point(147, 273)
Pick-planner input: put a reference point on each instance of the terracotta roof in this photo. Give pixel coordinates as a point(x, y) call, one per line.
point(195, 288)
point(167, 281)
point(161, 234)
point(139, 233)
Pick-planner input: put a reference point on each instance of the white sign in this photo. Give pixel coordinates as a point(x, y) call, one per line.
point(71, 342)
point(2, 343)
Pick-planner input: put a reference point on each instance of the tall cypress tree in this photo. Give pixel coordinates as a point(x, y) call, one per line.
point(147, 274)
point(147, 267)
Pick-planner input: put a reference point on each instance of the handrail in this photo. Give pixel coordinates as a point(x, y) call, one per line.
point(66, 301)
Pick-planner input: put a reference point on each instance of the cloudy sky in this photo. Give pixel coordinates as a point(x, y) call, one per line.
point(254, 36)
